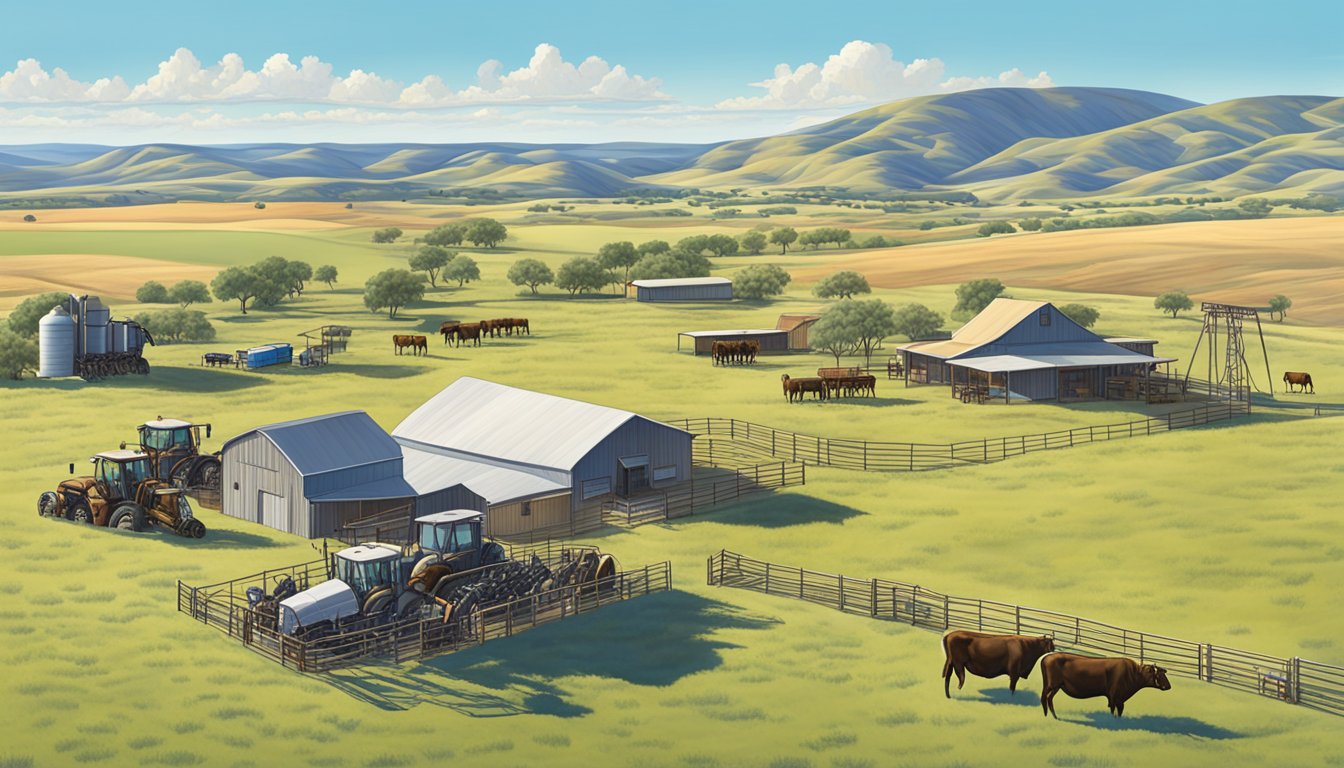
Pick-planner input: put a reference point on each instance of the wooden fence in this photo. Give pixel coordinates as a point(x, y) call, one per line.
point(890, 456)
point(685, 499)
point(1295, 680)
point(225, 607)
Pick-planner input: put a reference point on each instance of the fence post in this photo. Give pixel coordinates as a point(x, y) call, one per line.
point(800, 584)
point(767, 578)
point(1208, 662)
point(841, 581)
point(1294, 679)
point(874, 603)
point(947, 619)
point(914, 604)
point(722, 558)
point(1017, 618)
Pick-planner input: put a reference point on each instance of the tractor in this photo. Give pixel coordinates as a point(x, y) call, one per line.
point(174, 448)
point(123, 493)
point(376, 583)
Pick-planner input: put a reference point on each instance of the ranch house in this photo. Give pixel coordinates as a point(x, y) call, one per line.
point(1030, 351)
point(682, 289)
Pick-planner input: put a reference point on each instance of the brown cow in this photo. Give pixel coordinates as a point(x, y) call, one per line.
point(518, 324)
point(449, 330)
point(991, 656)
point(469, 332)
point(418, 344)
point(1299, 378)
point(799, 387)
point(1084, 677)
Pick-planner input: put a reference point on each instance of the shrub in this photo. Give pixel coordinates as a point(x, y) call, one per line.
point(259, 205)
point(176, 324)
point(152, 292)
point(759, 281)
point(995, 228)
point(25, 317)
point(17, 354)
point(1081, 314)
point(30, 218)
point(386, 235)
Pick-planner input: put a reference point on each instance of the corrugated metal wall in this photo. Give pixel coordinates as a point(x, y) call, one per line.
point(508, 519)
point(328, 516)
point(327, 482)
point(710, 292)
point(663, 445)
point(454, 497)
point(1035, 385)
point(253, 464)
point(1030, 331)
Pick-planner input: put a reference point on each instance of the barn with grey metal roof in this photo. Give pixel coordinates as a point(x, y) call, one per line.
point(308, 476)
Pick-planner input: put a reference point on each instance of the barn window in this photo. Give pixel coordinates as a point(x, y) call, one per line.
point(596, 487)
point(235, 486)
point(668, 472)
point(527, 509)
point(1044, 315)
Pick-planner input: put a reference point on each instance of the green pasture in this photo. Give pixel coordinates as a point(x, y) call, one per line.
point(1228, 534)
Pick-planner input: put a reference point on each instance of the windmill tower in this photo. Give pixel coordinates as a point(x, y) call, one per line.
point(1229, 375)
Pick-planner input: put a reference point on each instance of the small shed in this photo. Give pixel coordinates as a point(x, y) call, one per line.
point(684, 289)
point(797, 327)
point(310, 476)
point(702, 342)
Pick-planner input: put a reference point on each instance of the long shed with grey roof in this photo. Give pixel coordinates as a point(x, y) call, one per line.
point(309, 476)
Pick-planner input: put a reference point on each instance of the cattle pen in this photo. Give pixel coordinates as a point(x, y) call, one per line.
point(225, 606)
point(1294, 680)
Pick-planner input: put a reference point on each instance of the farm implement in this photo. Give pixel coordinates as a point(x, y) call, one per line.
point(122, 493)
point(448, 590)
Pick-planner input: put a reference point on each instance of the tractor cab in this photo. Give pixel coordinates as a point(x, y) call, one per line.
point(454, 537)
point(118, 474)
point(169, 442)
point(366, 568)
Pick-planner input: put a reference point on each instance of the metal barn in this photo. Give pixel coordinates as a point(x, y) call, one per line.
point(684, 289)
point(797, 326)
point(1029, 350)
point(309, 476)
point(702, 342)
point(534, 459)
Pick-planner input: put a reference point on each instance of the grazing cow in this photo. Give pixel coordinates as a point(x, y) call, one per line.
point(449, 330)
point(417, 344)
point(991, 656)
point(799, 387)
point(718, 353)
point(1084, 677)
point(1300, 379)
point(469, 332)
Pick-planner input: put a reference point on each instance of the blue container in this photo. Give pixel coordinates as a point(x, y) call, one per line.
point(269, 354)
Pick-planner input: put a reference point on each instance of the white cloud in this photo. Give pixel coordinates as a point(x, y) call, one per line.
point(30, 82)
point(547, 77)
point(864, 73)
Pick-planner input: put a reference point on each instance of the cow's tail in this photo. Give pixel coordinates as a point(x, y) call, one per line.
point(947, 669)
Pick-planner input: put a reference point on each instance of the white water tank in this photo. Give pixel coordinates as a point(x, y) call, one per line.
point(119, 333)
point(56, 344)
point(95, 320)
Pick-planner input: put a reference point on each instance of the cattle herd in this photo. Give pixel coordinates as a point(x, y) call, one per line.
point(458, 334)
point(1081, 677)
point(740, 352)
point(829, 383)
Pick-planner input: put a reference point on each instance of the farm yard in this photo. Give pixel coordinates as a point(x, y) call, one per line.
point(1227, 533)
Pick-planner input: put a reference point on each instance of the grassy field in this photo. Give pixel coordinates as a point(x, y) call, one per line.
point(1228, 535)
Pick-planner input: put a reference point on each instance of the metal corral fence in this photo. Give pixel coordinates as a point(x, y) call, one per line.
point(1308, 683)
point(225, 607)
point(885, 456)
point(685, 499)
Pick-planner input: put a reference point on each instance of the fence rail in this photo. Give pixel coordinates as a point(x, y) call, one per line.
point(690, 497)
point(894, 456)
point(1295, 680)
point(224, 606)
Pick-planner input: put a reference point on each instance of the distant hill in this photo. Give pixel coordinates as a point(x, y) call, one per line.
point(997, 143)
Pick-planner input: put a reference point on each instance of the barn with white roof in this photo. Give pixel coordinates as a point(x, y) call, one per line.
point(532, 459)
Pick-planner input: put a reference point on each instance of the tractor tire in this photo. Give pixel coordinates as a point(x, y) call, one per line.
point(47, 504)
point(141, 366)
point(181, 474)
point(79, 512)
point(207, 475)
point(192, 529)
point(128, 516)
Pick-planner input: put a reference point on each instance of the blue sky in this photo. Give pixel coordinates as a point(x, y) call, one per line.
point(692, 71)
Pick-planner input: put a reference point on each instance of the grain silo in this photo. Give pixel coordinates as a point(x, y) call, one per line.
point(56, 344)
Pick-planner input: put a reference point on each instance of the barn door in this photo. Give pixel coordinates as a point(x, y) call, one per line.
point(273, 511)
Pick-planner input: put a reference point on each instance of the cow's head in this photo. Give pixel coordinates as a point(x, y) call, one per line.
point(1155, 677)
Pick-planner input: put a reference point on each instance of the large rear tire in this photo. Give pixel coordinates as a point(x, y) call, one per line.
point(207, 475)
point(47, 504)
point(128, 516)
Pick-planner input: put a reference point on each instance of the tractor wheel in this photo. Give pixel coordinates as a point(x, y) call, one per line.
point(181, 475)
point(79, 512)
point(47, 504)
point(128, 516)
point(207, 475)
point(141, 366)
point(192, 529)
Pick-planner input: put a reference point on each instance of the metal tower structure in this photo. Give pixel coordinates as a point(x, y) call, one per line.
point(1229, 375)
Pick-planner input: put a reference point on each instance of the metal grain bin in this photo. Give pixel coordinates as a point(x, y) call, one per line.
point(56, 344)
point(95, 320)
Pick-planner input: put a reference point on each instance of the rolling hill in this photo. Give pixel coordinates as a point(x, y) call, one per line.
point(1000, 144)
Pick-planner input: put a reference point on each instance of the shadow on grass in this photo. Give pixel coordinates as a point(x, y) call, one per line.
point(774, 511)
point(1001, 695)
point(172, 378)
point(1175, 726)
point(653, 641)
point(875, 401)
point(392, 371)
point(215, 538)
